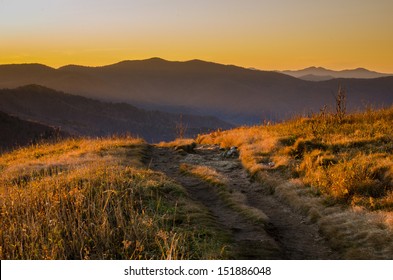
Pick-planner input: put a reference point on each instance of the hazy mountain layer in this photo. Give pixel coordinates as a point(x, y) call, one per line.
point(83, 116)
point(322, 74)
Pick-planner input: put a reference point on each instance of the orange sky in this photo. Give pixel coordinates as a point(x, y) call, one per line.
point(265, 34)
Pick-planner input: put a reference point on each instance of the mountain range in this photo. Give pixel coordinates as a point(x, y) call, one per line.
point(323, 74)
point(234, 94)
point(81, 116)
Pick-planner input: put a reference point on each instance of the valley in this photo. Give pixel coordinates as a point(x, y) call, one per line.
point(84, 117)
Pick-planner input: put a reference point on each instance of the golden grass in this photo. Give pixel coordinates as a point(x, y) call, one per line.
point(319, 162)
point(350, 161)
point(94, 199)
point(176, 143)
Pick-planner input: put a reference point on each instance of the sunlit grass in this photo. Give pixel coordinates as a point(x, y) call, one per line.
point(206, 173)
point(350, 161)
point(94, 199)
point(175, 143)
point(320, 164)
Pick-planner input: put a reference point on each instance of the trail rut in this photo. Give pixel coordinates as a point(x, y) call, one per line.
point(287, 234)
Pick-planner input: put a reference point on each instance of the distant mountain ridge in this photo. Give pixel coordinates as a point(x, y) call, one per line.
point(81, 116)
point(322, 74)
point(235, 94)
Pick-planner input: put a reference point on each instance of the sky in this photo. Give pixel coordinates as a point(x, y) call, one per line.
point(263, 34)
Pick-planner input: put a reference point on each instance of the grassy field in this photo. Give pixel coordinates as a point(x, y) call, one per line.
point(335, 168)
point(95, 199)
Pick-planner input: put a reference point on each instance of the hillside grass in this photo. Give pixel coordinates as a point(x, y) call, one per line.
point(327, 166)
point(95, 199)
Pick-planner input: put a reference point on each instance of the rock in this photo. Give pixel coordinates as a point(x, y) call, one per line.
point(268, 165)
point(230, 153)
point(189, 148)
point(271, 164)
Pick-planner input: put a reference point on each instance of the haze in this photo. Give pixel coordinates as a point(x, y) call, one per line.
point(265, 34)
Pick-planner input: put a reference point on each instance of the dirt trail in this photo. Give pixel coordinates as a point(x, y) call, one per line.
point(287, 234)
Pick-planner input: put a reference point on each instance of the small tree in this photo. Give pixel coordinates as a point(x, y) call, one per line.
point(180, 128)
point(341, 104)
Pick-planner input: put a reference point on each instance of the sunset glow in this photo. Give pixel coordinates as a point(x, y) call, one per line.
point(265, 34)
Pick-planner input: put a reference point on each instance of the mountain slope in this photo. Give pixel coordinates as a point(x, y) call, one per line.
point(315, 78)
point(235, 94)
point(82, 116)
point(15, 132)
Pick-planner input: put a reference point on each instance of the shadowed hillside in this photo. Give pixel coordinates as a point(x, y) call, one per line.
point(235, 94)
point(15, 132)
point(81, 116)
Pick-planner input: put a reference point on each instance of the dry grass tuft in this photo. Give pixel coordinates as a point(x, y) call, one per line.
point(206, 173)
point(176, 143)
